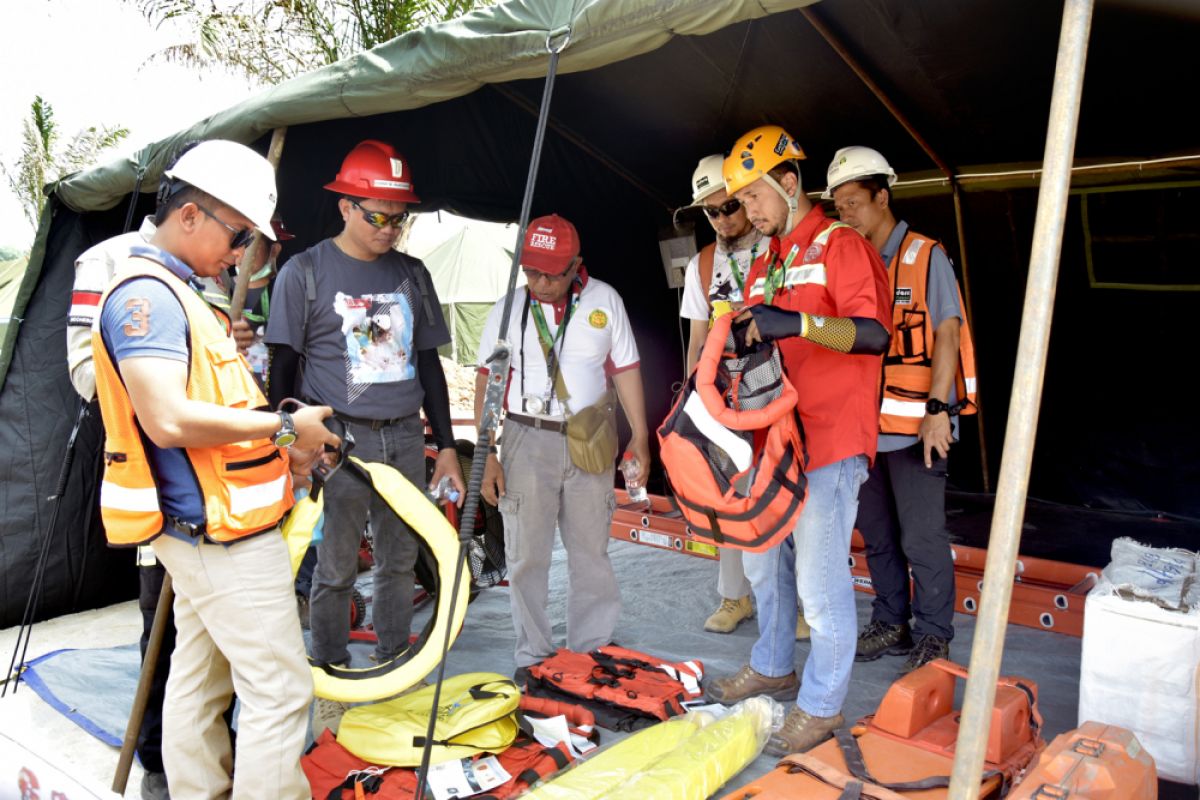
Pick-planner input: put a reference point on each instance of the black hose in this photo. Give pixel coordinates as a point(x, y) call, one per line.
point(466, 525)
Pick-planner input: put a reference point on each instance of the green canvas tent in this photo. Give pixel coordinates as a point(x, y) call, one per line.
point(470, 272)
point(646, 88)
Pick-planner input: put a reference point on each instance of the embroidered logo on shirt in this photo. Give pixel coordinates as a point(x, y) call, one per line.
point(598, 318)
point(813, 253)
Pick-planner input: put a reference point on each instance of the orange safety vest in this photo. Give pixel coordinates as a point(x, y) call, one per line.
point(247, 487)
point(908, 365)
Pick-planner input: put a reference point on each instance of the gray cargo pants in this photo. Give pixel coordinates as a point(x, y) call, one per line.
point(348, 500)
point(544, 488)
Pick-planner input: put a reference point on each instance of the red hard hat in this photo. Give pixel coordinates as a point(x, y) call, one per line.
point(375, 170)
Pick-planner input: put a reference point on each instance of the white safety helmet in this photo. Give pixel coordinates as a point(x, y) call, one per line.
point(707, 179)
point(234, 174)
point(855, 163)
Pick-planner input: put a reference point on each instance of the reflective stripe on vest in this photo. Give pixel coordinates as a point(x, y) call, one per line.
point(806, 272)
point(908, 366)
point(246, 486)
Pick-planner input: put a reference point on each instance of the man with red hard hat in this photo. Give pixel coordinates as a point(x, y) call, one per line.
point(571, 339)
point(364, 340)
point(821, 293)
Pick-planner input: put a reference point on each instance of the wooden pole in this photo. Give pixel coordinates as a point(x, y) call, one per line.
point(274, 153)
point(138, 712)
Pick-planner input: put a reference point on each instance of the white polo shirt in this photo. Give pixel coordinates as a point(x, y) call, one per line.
point(597, 343)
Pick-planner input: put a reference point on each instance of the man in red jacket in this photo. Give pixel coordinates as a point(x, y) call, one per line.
point(821, 293)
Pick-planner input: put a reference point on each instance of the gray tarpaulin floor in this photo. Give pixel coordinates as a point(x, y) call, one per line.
point(666, 598)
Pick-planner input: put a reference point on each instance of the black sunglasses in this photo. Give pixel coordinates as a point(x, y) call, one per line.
point(726, 209)
point(378, 219)
point(241, 236)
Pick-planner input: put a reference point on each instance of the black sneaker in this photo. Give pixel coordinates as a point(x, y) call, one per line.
point(928, 648)
point(521, 677)
point(880, 638)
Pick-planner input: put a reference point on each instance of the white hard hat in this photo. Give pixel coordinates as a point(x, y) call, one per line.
point(234, 174)
point(707, 178)
point(854, 163)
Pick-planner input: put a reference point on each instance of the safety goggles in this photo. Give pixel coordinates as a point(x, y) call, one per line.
point(726, 209)
point(378, 219)
point(241, 236)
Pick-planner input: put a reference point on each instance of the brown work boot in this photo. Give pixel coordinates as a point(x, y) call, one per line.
point(801, 732)
point(927, 649)
point(880, 638)
point(726, 618)
point(803, 631)
point(748, 683)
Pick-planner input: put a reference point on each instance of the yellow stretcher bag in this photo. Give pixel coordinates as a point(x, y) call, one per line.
point(476, 713)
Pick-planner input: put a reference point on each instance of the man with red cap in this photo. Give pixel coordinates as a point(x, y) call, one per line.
point(571, 341)
point(356, 325)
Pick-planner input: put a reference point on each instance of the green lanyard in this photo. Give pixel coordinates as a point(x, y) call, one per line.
point(776, 272)
point(555, 382)
point(543, 329)
point(738, 277)
point(264, 302)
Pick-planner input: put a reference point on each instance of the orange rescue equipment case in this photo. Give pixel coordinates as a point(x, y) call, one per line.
point(905, 751)
point(1093, 762)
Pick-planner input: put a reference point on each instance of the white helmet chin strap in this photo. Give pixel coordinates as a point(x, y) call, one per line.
point(792, 202)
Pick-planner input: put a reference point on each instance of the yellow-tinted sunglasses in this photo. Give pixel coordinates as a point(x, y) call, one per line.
point(378, 219)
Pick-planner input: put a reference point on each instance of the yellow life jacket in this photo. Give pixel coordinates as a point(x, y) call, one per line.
point(908, 365)
point(477, 713)
point(246, 486)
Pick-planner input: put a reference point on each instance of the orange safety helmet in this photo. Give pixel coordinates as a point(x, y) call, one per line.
point(374, 170)
point(757, 153)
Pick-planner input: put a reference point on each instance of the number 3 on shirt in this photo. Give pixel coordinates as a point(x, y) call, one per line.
point(139, 316)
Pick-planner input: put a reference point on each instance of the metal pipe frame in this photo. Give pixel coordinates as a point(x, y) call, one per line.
point(988, 645)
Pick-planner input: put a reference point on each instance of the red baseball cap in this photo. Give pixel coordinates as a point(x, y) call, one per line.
point(282, 234)
point(551, 244)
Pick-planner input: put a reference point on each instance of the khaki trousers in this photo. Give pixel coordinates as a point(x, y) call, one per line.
point(236, 630)
point(543, 490)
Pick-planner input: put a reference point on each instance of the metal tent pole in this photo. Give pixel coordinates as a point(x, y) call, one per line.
point(988, 644)
point(238, 300)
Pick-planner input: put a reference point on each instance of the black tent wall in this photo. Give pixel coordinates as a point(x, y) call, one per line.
point(975, 78)
point(41, 406)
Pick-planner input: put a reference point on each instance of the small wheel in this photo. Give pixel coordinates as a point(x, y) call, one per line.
point(358, 609)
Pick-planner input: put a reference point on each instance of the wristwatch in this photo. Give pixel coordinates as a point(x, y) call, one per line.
point(935, 406)
point(286, 435)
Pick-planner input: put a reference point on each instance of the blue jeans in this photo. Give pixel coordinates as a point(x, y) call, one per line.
point(813, 562)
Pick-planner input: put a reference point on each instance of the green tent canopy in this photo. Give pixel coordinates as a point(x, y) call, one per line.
point(470, 272)
point(648, 87)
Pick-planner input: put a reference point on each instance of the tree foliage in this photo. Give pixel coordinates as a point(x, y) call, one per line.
point(273, 40)
point(45, 157)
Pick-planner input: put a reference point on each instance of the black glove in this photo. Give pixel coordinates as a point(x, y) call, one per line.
point(776, 323)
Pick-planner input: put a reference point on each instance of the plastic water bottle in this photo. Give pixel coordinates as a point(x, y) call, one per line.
point(630, 469)
point(444, 490)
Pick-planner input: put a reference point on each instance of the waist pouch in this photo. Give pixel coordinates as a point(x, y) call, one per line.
point(592, 436)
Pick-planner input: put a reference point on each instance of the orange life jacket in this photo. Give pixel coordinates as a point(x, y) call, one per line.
point(246, 486)
point(707, 256)
point(625, 689)
point(908, 365)
point(334, 772)
point(733, 448)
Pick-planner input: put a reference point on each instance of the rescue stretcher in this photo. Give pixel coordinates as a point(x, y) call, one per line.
point(1047, 595)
